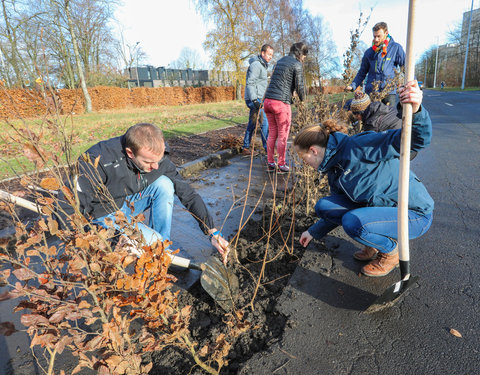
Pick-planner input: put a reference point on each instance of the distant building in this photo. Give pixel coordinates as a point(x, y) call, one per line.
point(148, 76)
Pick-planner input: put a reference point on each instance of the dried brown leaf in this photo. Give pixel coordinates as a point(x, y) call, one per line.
point(24, 274)
point(34, 154)
point(58, 316)
point(49, 183)
point(97, 160)
point(454, 332)
point(33, 320)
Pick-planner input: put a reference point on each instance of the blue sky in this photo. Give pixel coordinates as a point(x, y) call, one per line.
point(163, 28)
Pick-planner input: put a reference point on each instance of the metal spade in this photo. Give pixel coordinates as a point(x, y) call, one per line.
point(220, 283)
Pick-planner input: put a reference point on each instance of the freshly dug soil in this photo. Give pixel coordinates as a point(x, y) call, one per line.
point(266, 323)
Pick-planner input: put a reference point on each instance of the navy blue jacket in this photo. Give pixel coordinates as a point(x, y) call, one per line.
point(364, 167)
point(379, 68)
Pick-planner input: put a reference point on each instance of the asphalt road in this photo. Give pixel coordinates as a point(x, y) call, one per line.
point(329, 333)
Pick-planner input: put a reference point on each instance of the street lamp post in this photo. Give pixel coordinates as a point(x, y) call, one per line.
point(136, 69)
point(435, 74)
point(466, 52)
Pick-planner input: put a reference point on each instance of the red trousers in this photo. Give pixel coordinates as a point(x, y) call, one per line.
point(279, 117)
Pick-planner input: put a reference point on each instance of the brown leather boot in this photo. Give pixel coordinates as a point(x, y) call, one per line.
point(248, 152)
point(367, 253)
point(382, 265)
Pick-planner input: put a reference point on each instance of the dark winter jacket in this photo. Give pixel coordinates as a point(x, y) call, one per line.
point(364, 167)
point(379, 68)
point(120, 177)
point(287, 77)
point(257, 80)
point(379, 117)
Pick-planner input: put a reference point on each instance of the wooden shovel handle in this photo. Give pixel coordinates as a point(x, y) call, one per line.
point(404, 176)
point(19, 201)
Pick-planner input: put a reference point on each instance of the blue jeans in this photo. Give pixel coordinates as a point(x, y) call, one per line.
point(371, 226)
point(158, 196)
point(251, 126)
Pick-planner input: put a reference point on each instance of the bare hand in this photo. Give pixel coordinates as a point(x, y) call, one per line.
point(222, 245)
point(305, 238)
point(411, 93)
point(349, 88)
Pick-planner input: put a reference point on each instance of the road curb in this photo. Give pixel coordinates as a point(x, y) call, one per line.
point(215, 160)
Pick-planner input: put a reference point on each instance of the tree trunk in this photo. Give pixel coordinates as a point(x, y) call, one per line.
point(81, 75)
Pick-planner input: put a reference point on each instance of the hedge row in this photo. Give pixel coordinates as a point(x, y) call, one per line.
point(22, 103)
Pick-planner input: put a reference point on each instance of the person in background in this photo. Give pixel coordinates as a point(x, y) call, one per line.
point(256, 84)
point(379, 62)
point(376, 116)
point(363, 177)
point(287, 78)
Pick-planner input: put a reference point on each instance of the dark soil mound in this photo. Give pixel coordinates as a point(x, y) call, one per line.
point(266, 323)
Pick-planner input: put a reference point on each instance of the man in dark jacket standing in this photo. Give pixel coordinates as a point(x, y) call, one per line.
point(287, 78)
point(378, 63)
point(256, 84)
point(132, 173)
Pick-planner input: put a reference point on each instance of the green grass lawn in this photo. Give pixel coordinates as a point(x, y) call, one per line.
point(87, 129)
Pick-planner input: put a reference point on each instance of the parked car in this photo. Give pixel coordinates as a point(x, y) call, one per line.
point(420, 84)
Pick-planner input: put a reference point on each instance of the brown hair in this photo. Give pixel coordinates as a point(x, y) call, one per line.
point(144, 135)
point(317, 134)
point(380, 25)
point(298, 50)
point(265, 47)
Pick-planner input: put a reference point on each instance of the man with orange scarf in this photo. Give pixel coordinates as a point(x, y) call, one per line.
point(379, 62)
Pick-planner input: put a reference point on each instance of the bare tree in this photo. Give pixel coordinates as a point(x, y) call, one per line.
point(227, 42)
point(322, 59)
point(189, 59)
point(88, 101)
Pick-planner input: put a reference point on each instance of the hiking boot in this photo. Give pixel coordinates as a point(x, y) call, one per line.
point(248, 152)
point(367, 253)
point(271, 167)
point(382, 265)
point(283, 169)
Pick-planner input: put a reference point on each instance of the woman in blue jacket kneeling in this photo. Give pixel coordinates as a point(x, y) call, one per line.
point(363, 172)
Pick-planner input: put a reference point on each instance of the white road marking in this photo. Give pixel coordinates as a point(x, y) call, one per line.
point(451, 105)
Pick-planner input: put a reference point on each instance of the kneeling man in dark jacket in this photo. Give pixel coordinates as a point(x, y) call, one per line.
point(132, 173)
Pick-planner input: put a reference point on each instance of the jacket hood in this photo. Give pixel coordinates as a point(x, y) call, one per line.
point(258, 58)
point(335, 143)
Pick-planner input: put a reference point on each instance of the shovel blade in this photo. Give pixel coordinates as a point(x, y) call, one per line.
point(220, 283)
point(392, 295)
